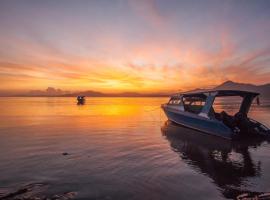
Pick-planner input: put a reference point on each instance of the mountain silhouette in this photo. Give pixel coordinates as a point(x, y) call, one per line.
point(91, 93)
point(264, 90)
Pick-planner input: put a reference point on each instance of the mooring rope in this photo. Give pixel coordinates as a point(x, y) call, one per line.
point(153, 117)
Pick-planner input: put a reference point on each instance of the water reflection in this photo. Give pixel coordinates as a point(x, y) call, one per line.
point(227, 163)
point(79, 103)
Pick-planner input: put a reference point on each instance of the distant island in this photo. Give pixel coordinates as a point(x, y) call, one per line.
point(264, 90)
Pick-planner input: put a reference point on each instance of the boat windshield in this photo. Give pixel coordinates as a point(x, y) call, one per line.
point(194, 104)
point(175, 100)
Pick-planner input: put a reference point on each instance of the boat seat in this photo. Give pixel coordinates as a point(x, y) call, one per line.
point(196, 109)
point(227, 119)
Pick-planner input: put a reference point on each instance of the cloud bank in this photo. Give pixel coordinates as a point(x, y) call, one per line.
point(135, 46)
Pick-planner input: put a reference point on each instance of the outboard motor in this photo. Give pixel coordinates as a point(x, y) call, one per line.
point(250, 126)
point(259, 129)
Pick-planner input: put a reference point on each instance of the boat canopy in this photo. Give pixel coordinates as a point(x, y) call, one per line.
point(218, 93)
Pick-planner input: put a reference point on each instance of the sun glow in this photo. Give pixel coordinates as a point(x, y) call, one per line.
point(144, 50)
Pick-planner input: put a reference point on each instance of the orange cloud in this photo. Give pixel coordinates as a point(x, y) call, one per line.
point(112, 62)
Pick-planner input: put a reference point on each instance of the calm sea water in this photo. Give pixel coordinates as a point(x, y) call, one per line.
point(123, 148)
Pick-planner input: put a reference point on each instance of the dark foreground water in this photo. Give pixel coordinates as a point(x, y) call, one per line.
point(122, 148)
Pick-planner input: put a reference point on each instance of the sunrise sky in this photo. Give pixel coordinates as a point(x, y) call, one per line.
point(135, 46)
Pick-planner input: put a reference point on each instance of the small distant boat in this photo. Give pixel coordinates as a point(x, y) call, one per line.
point(80, 99)
point(195, 110)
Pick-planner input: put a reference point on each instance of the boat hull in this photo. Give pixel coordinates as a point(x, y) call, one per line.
point(199, 123)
